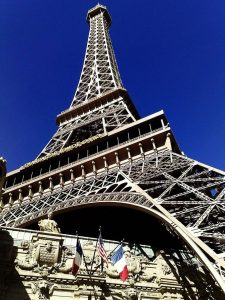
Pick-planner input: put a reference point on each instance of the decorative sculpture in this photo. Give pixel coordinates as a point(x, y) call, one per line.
point(49, 224)
point(45, 255)
point(42, 289)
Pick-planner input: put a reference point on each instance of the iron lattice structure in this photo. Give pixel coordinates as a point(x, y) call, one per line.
point(100, 73)
point(103, 152)
point(100, 76)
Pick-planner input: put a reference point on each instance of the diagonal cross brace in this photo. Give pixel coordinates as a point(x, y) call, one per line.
point(195, 243)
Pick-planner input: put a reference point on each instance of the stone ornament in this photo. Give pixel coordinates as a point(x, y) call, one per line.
point(133, 263)
point(42, 289)
point(49, 224)
point(45, 255)
point(148, 272)
point(164, 270)
point(128, 293)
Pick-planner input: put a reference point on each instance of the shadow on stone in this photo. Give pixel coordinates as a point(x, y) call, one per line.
point(11, 286)
point(195, 280)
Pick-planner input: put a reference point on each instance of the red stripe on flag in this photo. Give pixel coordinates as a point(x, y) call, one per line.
point(101, 249)
point(124, 274)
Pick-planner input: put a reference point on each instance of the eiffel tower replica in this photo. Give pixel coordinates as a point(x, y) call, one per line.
point(103, 154)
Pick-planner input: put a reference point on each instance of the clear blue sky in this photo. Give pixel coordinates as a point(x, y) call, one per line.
point(171, 56)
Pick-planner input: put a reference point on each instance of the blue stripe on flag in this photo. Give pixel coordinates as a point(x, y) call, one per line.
point(78, 248)
point(117, 255)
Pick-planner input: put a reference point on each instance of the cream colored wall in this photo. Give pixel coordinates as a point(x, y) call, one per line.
point(40, 268)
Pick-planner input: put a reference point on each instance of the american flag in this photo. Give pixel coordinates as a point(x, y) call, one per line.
point(101, 249)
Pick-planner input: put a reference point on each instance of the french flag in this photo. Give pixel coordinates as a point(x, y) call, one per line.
point(119, 262)
point(78, 258)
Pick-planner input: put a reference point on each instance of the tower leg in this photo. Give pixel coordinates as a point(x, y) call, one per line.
point(182, 231)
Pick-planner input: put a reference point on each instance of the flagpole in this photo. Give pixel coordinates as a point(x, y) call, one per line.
point(92, 262)
point(101, 257)
point(100, 233)
point(89, 274)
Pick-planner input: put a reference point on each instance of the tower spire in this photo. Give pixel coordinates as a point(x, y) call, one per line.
point(100, 72)
point(100, 103)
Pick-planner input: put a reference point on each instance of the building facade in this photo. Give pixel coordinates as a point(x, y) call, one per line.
point(106, 164)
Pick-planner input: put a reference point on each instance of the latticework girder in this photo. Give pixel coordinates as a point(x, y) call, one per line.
point(191, 192)
point(99, 76)
point(171, 183)
point(100, 72)
point(102, 119)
